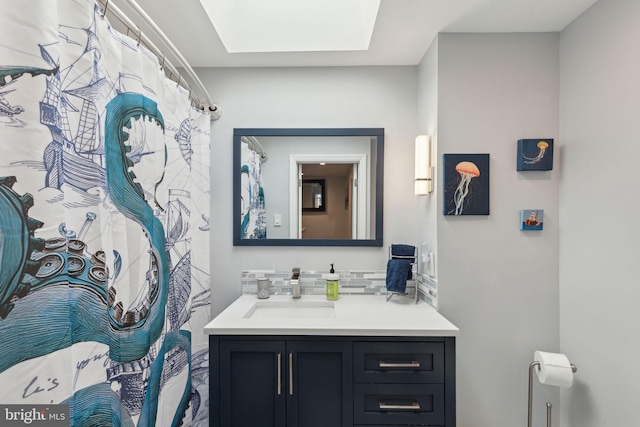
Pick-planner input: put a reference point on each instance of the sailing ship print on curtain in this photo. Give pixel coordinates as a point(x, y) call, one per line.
point(104, 191)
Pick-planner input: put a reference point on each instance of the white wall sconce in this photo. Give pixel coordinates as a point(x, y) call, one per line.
point(423, 182)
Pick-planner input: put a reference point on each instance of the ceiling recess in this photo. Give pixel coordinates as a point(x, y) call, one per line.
point(293, 25)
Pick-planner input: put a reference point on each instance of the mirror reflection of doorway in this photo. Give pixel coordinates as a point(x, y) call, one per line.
point(327, 196)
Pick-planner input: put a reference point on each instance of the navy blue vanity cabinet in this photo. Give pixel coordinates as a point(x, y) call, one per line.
point(332, 381)
point(280, 382)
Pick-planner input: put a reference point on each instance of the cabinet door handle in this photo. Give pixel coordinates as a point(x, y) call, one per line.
point(279, 374)
point(414, 406)
point(412, 364)
point(291, 374)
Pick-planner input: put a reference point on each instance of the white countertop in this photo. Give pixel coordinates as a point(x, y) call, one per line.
point(354, 315)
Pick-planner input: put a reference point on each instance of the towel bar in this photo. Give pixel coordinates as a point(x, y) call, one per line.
point(413, 257)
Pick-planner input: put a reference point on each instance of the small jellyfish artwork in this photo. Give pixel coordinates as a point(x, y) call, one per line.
point(466, 184)
point(531, 219)
point(535, 154)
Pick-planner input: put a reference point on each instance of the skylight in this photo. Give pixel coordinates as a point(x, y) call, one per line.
point(293, 25)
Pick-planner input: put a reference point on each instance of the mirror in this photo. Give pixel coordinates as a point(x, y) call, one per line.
point(308, 187)
point(313, 195)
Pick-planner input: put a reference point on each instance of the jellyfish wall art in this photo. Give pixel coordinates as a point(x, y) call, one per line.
point(466, 184)
point(535, 154)
point(531, 219)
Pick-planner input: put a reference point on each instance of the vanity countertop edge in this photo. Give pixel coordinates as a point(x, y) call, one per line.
point(355, 315)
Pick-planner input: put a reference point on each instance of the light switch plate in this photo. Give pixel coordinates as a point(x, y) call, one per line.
point(431, 264)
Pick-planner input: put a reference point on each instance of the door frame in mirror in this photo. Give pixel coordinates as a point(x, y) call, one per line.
point(362, 207)
point(378, 133)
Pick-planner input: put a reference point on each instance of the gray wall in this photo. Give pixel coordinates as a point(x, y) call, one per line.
point(310, 97)
point(498, 284)
point(567, 288)
point(599, 292)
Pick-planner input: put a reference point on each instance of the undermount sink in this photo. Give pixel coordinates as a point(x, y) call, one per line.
point(291, 310)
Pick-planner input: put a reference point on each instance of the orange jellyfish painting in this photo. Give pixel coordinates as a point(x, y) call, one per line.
point(466, 184)
point(535, 154)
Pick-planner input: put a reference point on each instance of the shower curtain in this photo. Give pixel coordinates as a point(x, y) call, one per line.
point(104, 191)
point(252, 210)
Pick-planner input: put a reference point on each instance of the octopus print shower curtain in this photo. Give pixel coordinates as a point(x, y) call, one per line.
point(104, 192)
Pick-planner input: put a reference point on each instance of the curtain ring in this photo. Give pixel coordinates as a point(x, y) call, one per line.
point(179, 79)
point(104, 11)
point(139, 35)
point(162, 63)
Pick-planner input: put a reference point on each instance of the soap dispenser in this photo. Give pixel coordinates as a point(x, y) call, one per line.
point(333, 283)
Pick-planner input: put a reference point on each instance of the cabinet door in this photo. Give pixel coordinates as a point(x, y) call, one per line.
point(252, 392)
point(319, 384)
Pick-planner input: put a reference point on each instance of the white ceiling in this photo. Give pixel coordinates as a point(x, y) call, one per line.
point(403, 32)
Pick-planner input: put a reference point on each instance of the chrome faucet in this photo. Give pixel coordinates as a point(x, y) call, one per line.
point(295, 283)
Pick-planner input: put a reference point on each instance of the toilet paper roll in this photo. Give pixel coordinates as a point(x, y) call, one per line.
point(554, 369)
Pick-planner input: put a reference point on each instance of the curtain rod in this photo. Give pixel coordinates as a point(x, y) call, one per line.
point(255, 145)
point(107, 6)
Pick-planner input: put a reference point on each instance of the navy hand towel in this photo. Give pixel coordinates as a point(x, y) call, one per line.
point(397, 272)
point(402, 250)
point(407, 252)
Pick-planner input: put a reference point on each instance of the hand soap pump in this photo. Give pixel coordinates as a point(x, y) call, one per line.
point(333, 282)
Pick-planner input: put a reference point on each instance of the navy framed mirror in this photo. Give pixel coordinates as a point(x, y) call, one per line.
point(274, 203)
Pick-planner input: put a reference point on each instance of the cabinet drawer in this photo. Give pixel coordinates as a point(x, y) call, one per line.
point(399, 404)
point(398, 362)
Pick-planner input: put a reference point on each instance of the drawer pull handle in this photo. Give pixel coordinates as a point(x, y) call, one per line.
point(415, 406)
point(279, 374)
point(412, 364)
point(290, 374)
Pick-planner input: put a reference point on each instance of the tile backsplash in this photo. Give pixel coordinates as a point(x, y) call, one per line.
point(352, 282)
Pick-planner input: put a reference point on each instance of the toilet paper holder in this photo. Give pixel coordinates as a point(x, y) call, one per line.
point(532, 366)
